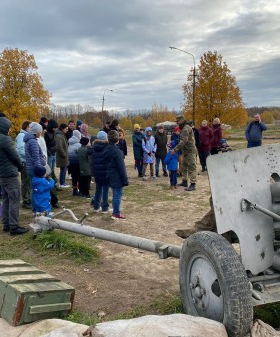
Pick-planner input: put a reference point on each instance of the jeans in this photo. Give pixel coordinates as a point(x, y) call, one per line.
point(101, 191)
point(139, 166)
point(11, 201)
point(51, 163)
point(62, 175)
point(253, 144)
point(117, 199)
point(173, 177)
point(158, 160)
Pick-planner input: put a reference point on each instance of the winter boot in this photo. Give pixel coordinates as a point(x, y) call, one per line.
point(157, 174)
point(165, 174)
point(192, 187)
point(184, 183)
point(75, 192)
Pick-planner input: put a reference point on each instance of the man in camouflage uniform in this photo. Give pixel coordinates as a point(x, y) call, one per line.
point(187, 145)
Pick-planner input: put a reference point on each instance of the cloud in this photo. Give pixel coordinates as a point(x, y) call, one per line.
point(84, 47)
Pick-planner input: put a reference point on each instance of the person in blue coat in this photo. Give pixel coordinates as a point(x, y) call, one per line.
point(41, 188)
point(172, 164)
point(254, 132)
point(99, 171)
point(116, 172)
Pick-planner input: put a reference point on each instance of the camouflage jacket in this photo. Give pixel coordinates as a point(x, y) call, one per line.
point(187, 141)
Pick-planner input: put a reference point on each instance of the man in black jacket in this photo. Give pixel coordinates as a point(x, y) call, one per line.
point(10, 165)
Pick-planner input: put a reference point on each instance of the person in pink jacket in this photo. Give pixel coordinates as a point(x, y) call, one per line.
point(206, 136)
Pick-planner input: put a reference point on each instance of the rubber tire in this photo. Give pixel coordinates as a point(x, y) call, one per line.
point(231, 275)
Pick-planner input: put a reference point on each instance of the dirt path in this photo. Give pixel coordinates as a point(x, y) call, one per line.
point(128, 277)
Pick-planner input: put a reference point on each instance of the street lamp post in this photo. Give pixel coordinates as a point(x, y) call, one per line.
point(102, 109)
point(186, 52)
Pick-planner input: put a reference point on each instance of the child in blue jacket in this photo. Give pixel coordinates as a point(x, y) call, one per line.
point(41, 187)
point(172, 165)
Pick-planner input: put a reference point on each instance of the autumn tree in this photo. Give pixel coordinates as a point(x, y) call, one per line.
point(22, 94)
point(267, 117)
point(216, 93)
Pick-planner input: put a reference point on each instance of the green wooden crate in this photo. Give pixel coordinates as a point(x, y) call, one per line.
point(28, 294)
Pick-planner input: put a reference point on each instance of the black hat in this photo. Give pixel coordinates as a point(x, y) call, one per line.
point(84, 141)
point(43, 120)
point(39, 171)
point(52, 124)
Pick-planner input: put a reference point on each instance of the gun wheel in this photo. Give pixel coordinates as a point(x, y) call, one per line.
point(214, 284)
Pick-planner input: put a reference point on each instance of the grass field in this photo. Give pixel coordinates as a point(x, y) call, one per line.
point(68, 250)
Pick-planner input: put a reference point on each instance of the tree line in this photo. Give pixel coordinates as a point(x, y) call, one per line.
point(215, 94)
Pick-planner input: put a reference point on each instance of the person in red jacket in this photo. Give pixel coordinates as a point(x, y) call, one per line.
point(206, 136)
point(217, 136)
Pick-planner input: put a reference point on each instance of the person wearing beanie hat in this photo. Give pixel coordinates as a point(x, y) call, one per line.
point(102, 135)
point(116, 173)
point(44, 121)
point(84, 141)
point(40, 171)
point(41, 188)
point(78, 124)
point(10, 165)
point(35, 128)
point(74, 143)
point(114, 125)
point(137, 137)
point(85, 174)
point(33, 153)
point(98, 168)
point(149, 147)
point(171, 161)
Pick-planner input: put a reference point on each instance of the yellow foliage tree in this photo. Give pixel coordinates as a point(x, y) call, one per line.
point(267, 117)
point(216, 93)
point(126, 124)
point(22, 95)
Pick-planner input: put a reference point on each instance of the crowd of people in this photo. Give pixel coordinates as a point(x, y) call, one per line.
point(43, 147)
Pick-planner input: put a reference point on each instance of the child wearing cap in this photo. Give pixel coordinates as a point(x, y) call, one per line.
point(98, 168)
point(172, 164)
point(41, 187)
point(85, 176)
point(149, 147)
point(116, 173)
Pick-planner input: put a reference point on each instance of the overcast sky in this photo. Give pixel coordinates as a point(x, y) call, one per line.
point(83, 47)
